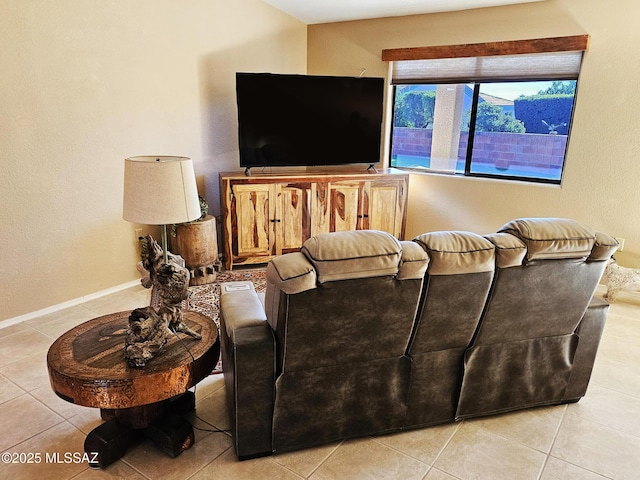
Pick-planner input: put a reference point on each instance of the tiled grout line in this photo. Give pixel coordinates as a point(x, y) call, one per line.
point(64, 420)
point(593, 420)
point(553, 442)
point(555, 435)
point(287, 468)
point(323, 461)
point(444, 447)
point(446, 444)
point(132, 467)
point(16, 385)
point(206, 465)
point(458, 425)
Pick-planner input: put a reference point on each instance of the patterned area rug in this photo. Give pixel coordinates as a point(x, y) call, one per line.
point(205, 299)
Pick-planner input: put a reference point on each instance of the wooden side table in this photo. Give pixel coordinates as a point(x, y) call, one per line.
point(87, 367)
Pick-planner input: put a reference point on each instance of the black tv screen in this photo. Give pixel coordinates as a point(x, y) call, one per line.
point(307, 120)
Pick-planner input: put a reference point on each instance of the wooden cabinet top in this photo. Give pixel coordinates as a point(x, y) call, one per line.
point(311, 175)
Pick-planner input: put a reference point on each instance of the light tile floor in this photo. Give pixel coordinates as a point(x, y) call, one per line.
point(598, 437)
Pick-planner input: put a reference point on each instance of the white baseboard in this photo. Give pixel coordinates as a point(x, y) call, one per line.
point(70, 303)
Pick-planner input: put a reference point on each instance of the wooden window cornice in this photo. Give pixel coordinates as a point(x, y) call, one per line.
point(513, 47)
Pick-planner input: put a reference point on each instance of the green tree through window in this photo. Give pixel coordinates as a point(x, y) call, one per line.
point(414, 109)
point(491, 118)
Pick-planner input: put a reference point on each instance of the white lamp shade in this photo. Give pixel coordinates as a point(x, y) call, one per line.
point(160, 190)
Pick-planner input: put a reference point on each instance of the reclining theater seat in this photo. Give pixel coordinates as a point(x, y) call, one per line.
point(360, 334)
point(538, 336)
point(329, 361)
point(459, 275)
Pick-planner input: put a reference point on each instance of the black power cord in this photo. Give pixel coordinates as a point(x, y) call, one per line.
point(213, 430)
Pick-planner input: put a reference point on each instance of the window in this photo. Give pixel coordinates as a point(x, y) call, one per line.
point(500, 115)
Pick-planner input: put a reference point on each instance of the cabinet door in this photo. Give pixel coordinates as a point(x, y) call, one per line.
point(383, 206)
point(253, 210)
point(292, 217)
point(358, 205)
point(344, 199)
point(334, 206)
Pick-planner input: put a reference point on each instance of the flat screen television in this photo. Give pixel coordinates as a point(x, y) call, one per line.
point(308, 120)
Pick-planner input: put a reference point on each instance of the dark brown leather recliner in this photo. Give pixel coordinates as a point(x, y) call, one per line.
point(459, 276)
point(329, 361)
point(360, 334)
point(534, 344)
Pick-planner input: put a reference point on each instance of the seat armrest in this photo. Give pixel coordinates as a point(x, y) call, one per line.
point(248, 362)
point(604, 248)
point(242, 307)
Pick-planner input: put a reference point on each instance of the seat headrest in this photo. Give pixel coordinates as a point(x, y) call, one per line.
point(452, 252)
point(354, 254)
point(552, 238)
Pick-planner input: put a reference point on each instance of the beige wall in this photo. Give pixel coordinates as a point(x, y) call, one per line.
point(86, 83)
point(601, 181)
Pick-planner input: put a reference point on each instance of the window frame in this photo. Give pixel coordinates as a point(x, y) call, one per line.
point(576, 43)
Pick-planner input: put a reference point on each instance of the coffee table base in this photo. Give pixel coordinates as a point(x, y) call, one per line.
point(160, 422)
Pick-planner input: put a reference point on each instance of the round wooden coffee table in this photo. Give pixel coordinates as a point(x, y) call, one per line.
point(87, 367)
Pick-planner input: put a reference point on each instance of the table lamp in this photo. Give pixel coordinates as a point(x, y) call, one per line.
point(160, 190)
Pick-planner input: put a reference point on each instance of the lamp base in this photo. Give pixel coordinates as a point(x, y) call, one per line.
point(149, 327)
